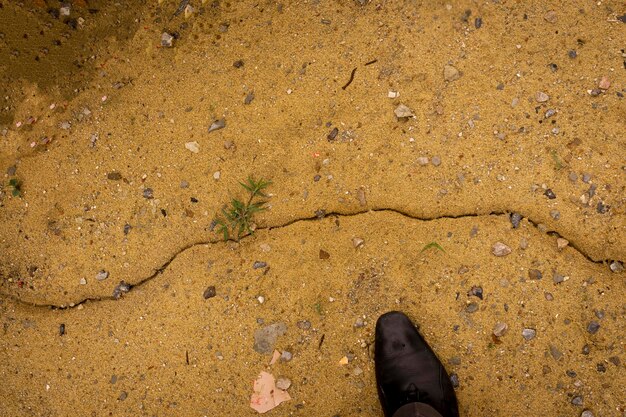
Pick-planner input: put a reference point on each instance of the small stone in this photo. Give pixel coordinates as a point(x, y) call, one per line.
point(615, 360)
point(238, 64)
point(120, 289)
point(102, 275)
point(209, 292)
point(555, 214)
point(360, 195)
point(283, 383)
point(324, 255)
point(587, 413)
point(357, 242)
point(604, 83)
point(303, 324)
point(332, 135)
point(600, 368)
point(422, 160)
point(148, 193)
point(541, 97)
point(500, 329)
point(393, 94)
point(572, 54)
point(478, 22)
point(476, 291)
point(550, 16)
point(436, 161)
point(529, 334)
point(193, 146)
point(83, 281)
point(523, 243)
point(616, 266)
point(593, 327)
point(556, 353)
point(572, 177)
point(123, 396)
point(550, 194)
point(249, 98)
point(454, 379)
point(561, 243)
point(403, 111)
point(577, 400)
point(286, 356)
point(535, 274)
point(184, 184)
point(167, 40)
point(359, 323)
point(188, 11)
point(586, 177)
point(558, 278)
point(595, 92)
point(265, 338)
point(114, 176)
point(217, 125)
point(471, 307)
point(516, 218)
point(450, 73)
point(259, 264)
point(113, 379)
point(217, 175)
point(549, 113)
point(500, 249)
point(548, 296)
point(602, 208)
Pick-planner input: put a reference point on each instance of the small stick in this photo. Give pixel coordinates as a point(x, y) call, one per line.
point(319, 346)
point(371, 62)
point(350, 80)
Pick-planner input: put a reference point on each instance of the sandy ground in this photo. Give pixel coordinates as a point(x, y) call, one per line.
point(110, 170)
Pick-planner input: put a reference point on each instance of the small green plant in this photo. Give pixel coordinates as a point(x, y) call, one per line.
point(432, 245)
point(16, 187)
point(558, 164)
point(237, 219)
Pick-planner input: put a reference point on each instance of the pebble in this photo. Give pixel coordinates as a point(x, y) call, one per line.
point(587, 413)
point(303, 324)
point(550, 16)
point(616, 266)
point(403, 111)
point(148, 193)
point(357, 242)
point(238, 64)
point(572, 54)
point(113, 379)
point(260, 299)
point(167, 40)
point(548, 296)
point(500, 249)
point(393, 94)
point(523, 243)
point(471, 307)
point(324, 255)
point(555, 214)
point(586, 177)
point(549, 113)
point(360, 195)
point(193, 146)
point(114, 176)
point(516, 218)
point(83, 281)
point(572, 177)
point(561, 243)
point(478, 22)
point(359, 323)
point(283, 383)
point(123, 396)
point(550, 194)
point(541, 97)
point(556, 353)
point(61, 329)
point(604, 83)
point(529, 334)
point(454, 379)
point(209, 292)
point(102, 275)
point(249, 98)
point(259, 264)
point(535, 274)
point(593, 327)
point(332, 135)
point(217, 175)
point(577, 400)
point(476, 291)
point(436, 161)
point(265, 338)
point(450, 73)
point(500, 329)
point(184, 184)
point(422, 160)
point(602, 208)
point(286, 356)
point(121, 288)
point(217, 125)
point(558, 278)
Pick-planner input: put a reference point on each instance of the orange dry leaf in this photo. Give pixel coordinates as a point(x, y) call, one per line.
point(266, 396)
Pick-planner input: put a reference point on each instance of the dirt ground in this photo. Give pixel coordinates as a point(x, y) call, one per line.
point(463, 162)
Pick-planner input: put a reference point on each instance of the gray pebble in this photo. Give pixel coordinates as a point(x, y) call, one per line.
point(123, 396)
point(455, 360)
point(593, 327)
point(286, 356)
point(209, 292)
point(113, 379)
point(577, 400)
point(303, 324)
point(454, 379)
point(550, 194)
point(148, 193)
point(549, 113)
point(586, 413)
point(422, 160)
point(572, 54)
point(359, 323)
point(283, 383)
point(217, 125)
point(102, 275)
point(436, 161)
point(471, 307)
point(572, 177)
point(478, 22)
point(259, 264)
point(535, 274)
point(556, 353)
point(121, 288)
point(557, 278)
point(529, 334)
point(476, 291)
point(586, 177)
point(516, 218)
point(500, 249)
point(599, 314)
point(249, 98)
point(11, 170)
point(602, 208)
point(167, 40)
point(500, 329)
point(265, 338)
point(184, 184)
point(555, 214)
point(616, 266)
point(586, 349)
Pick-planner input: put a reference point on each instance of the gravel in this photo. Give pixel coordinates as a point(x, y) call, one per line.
point(516, 218)
point(102, 275)
point(402, 112)
point(209, 292)
point(593, 327)
point(500, 329)
point(148, 193)
point(577, 400)
point(436, 161)
point(471, 307)
point(283, 383)
point(217, 125)
point(265, 338)
point(450, 73)
point(555, 352)
point(529, 334)
point(535, 274)
point(476, 291)
point(500, 249)
point(454, 379)
point(550, 194)
point(541, 97)
point(616, 266)
point(259, 264)
point(587, 413)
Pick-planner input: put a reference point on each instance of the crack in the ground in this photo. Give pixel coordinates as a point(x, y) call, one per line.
point(321, 215)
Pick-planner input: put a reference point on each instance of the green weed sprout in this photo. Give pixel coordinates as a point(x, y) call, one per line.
point(237, 218)
point(16, 187)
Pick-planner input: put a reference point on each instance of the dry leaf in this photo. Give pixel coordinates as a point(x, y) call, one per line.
point(266, 396)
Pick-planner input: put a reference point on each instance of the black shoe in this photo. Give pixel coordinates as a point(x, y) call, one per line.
point(407, 370)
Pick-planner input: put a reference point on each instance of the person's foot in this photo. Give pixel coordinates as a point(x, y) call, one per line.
point(407, 370)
